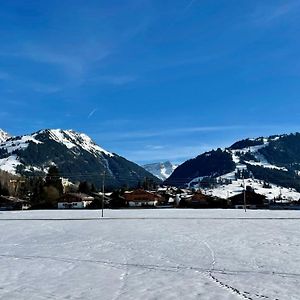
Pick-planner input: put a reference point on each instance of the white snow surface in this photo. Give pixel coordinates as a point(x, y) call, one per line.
point(3, 136)
point(9, 164)
point(261, 160)
point(237, 187)
point(69, 138)
point(72, 139)
point(161, 170)
point(150, 254)
point(19, 143)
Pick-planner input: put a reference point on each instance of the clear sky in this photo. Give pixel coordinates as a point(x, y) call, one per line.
point(151, 79)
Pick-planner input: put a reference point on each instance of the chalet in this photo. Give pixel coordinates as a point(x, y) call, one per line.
point(199, 200)
point(142, 198)
point(253, 200)
point(168, 195)
point(74, 200)
point(13, 203)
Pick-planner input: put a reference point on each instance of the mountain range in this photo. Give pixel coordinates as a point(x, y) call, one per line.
point(270, 165)
point(76, 155)
point(161, 170)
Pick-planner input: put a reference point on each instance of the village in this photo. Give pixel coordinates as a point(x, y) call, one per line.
point(159, 198)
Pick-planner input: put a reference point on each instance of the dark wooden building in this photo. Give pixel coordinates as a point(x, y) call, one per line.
point(13, 203)
point(253, 200)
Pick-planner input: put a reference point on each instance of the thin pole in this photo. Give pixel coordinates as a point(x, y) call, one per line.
point(103, 179)
point(245, 205)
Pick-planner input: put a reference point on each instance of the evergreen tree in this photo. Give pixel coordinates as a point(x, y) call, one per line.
point(53, 179)
point(3, 190)
point(84, 187)
point(53, 187)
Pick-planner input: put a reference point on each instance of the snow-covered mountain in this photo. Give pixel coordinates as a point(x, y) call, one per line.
point(3, 136)
point(76, 155)
point(271, 166)
point(161, 170)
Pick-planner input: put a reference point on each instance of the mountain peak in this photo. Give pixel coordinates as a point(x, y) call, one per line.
point(71, 139)
point(4, 136)
point(161, 170)
point(76, 155)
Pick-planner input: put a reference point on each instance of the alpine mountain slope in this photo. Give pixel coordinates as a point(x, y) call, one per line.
point(270, 165)
point(76, 155)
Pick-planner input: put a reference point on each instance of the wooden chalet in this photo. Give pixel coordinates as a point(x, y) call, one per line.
point(142, 198)
point(74, 200)
point(253, 200)
point(13, 203)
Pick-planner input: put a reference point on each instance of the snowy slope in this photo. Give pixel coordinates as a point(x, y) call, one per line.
point(161, 170)
point(259, 159)
point(250, 162)
point(68, 138)
point(237, 186)
point(150, 254)
point(76, 155)
point(72, 139)
point(3, 136)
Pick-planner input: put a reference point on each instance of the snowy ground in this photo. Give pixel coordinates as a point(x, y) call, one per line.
point(150, 254)
point(237, 187)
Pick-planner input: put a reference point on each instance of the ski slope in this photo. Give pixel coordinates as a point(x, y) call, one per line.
point(150, 254)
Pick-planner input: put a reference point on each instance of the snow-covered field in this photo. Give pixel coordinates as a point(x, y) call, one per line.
point(150, 254)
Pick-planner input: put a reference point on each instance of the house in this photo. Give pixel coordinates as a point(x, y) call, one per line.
point(200, 200)
point(98, 197)
point(168, 195)
point(13, 203)
point(253, 200)
point(107, 197)
point(142, 198)
point(74, 200)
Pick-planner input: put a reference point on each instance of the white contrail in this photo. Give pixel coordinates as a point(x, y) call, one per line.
point(92, 112)
point(189, 5)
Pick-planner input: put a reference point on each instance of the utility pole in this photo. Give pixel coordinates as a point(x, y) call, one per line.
point(245, 204)
point(103, 182)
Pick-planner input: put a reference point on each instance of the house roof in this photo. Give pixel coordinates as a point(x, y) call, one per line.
point(12, 199)
point(141, 195)
point(198, 196)
point(75, 197)
point(251, 198)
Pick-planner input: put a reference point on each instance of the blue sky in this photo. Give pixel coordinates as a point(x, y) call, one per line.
point(150, 79)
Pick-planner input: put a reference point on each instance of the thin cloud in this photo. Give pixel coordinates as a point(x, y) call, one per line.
point(176, 131)
point(170, 132)
point(266, 15)
point(114, 79)
point(142, 135)
point(154, 147)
